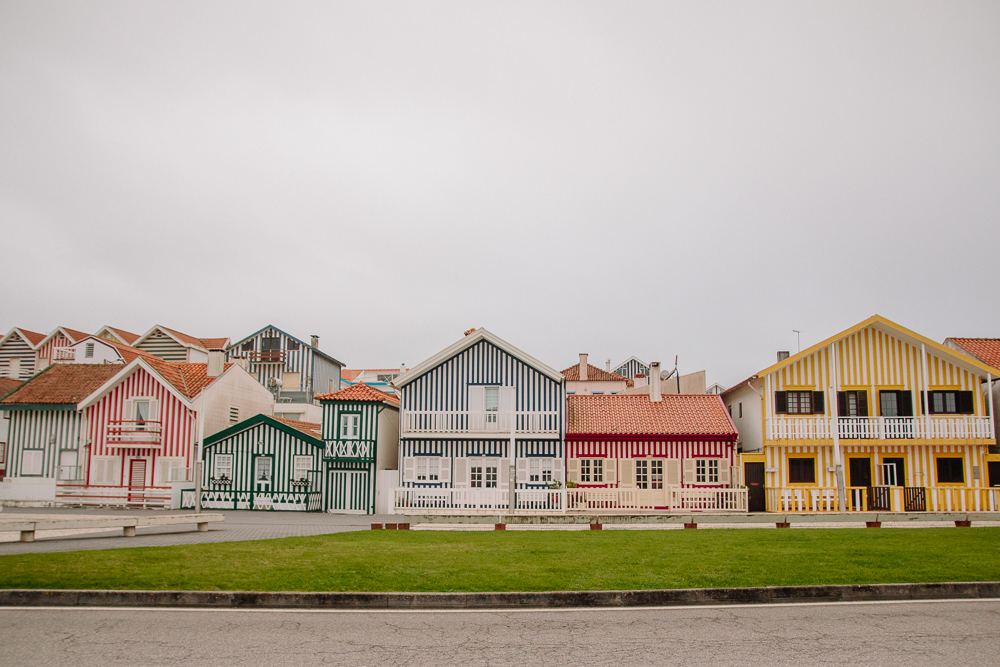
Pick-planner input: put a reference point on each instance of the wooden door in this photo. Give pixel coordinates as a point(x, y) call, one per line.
point(649, 480)
point(348, 492)
point(756, 497)
point(860, 471)
point(137, 480)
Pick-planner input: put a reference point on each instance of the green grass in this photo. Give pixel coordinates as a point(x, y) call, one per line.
point(527, 561)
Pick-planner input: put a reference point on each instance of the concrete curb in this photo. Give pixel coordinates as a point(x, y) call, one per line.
point(550, 600)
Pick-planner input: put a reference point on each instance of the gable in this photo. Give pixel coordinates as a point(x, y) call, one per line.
point(258, 422)
point(161, 345)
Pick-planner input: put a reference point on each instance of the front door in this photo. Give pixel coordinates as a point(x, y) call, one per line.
point(137, 480)
point(860, 471)
point(756, 498)
point(348, 492)
point(649, 482)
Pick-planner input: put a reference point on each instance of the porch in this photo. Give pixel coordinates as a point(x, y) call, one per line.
point(962, 427)
point(884, 499)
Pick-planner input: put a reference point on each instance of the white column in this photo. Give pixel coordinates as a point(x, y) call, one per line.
point(838, 455)
point(926, 393)
point(989, 401)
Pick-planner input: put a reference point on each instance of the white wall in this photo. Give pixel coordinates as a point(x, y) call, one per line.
point(593, 387)
point(692, 383)
point(749, 425)
point(103, 353)
point(388, 440)
point(306, 412)
point(234, 387)
point(196, 356)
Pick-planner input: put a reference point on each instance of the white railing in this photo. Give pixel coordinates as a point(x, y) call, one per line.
point(83, 494)
point(63, 354)
point(967, 427)
point(462, 421)
point(349, 449)
point(69, 473)
point(709, 500)
point(674, 500)
point(123, 431)
point(888, 499)
point(451, 501)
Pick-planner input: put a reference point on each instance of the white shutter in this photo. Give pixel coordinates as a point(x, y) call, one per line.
point(689, 472)
point(31, 462)
point(409, 469)
point(522, 471)
point(461, 479)
point(444, 470)
point(724, 472)
point(573, 470)
point(504, 473)
point(627, 469)
point(557, 469)
point(673, 472)
point(154, 410)
point(477, 398)
point(610, 471)
point(737, 476)
point(506, 399)
point(128, 412)
point(164, 468)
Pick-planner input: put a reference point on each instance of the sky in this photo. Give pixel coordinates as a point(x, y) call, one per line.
point(657, 179)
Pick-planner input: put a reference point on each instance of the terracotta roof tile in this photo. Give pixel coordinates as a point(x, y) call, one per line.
point(635, 414)
point(184, 338)
point(33, 336)
point(309, 428)
point(127, 337)
point(62, 384)
point(215, 343)
point(128, 352)
point(8, 385)
point(986, 350)
point(74, 335)
point(594, 374)
point(350, 375)
point(360, 392)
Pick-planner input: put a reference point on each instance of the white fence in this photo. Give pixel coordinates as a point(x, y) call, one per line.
point(462, 421)
point(879, 428)
point(672, 500)
point(83, 494)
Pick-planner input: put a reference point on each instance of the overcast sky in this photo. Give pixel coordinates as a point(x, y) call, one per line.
point(619, 178)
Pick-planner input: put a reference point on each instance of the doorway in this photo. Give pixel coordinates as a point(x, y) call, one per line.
point(993, 473)
point(137, 481)
point(756, 498)
point(860, 471)
point(649, 481)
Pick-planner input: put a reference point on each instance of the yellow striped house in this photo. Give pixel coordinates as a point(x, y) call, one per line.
point(875, 418)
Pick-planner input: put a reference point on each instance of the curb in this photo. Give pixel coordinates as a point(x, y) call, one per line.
point(553, 600)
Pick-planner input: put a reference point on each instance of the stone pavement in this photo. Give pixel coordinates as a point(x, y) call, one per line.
point(239, 526)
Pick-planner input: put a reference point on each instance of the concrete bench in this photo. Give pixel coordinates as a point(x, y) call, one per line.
point(27, 524)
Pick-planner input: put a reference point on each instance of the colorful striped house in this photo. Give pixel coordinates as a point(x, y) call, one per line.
point(19, 357)
point(478, 419)
point(637, 452)
point(116, 335)
point(113, 434)
point(584, 379)
point(172, 345)
point(7, 385)
point(986, 350)
point(55, 347)
point(875, 418)
point(95, 350)
point(302, 368)
point(632, 368)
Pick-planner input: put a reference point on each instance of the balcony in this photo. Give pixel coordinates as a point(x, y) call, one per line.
point(266, 356)
point(884, 499)
point(350, 450)
point(416, 422)
point(63, 354)
point(962, 427)
point(129, 433)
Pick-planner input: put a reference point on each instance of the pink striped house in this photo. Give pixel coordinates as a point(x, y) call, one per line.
point(636, 453)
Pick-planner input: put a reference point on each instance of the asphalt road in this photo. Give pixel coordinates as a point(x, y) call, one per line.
point(911, 634)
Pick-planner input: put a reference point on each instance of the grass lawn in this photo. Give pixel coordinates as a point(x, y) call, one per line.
point(527, 561)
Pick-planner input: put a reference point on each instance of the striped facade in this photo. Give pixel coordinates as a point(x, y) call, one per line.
point(40, 440)
point(454, 456)
point(668, 450)
point(159, 344)
point(48, 354)
point(631, 368)
point(17, 347)
point(351, 476)
point(303, 370)
point(257, 438)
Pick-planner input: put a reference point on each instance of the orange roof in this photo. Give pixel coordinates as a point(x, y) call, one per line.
point(8, 385)
point(214, 343)
point(33, 336)
point(128, 353)
point(62, 384)
point(309, 428)
point(188, 379)
point(127, 336)
point(635, 414)
point(75, 336)
point(986, 350)
point(350, 375)
point(594, 374)
point(360, 392)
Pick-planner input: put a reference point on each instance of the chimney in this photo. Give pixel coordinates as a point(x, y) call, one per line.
point(583, 367)
point(216, 362)
point(654, 382)
point(402, 368)
point(640, 379)
point(782, 355)
point(607, 365)
point(314, 341)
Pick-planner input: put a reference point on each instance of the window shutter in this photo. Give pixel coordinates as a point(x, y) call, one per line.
point(906, 404)
point(819, 402)
point(781, 402)
point(610, 471)
point(461, 479)
point(164, 471)
point(444, 470)
point(841, 403)
point(965, 402)
point(504, 473)
point(673, 472)
point(724, 472)
point(128, 412)
point(557, 469)
point(736, 479)
point(154, 410)
point(862, 403)
point(506, 399)
point(689, 472)
point(409, 469)
point(477, 398)
point(573, 470)
point(522, 471)
point(627, 478)
point(925, 400)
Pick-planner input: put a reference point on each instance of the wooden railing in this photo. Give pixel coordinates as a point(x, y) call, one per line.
point(884, 499)
point(266, 356)
point(128, 431)
point(963, 427)
point(674, 500)
point(357, 450)
point(463, 421)
point(132, 496)
point(63, 354)
point(451, 501)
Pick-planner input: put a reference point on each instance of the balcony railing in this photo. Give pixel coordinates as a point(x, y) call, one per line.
point(465, 421)
point(356, 450)
point(964, 427)
point(266, 356)
point(100, 495)
point(63, 354)
point(132, 432)
point(884, 499)
point(670, 500)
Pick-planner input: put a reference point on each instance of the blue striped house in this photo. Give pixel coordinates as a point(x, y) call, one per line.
point(303, 369)
point(632, 367)
point(19, 358)
point(472, 414)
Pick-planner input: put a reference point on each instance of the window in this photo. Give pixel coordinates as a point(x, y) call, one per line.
point(31, 461)
point(730, 408)
point(104, 470)
point(234, 414)
point(491, 400)
point(540, 471)
point(483, 474)
point(292, 416)
point(428, 468)
point(141, 414)
point(292, 346)
point(799, 402)
point(223, 466)
point(302, 464)
point(592, 470)
point(350, 425)
point(951, 403)
point(656, 474)
point(642, 474)
point(950, 470)
point(247, 346)
point(706, 471)
point(852, 403)
point(801, 470)
point(386, 377)
point(895, 403)
point(741, 411)
point(88, 350)
point(262, 469)
point(172, 470)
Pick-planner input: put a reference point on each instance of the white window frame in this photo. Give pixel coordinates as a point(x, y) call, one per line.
point(301, 465)
point(256, 470)
point(540, 471)
point(100, 473)
point(218, 469)
point(350, 421)
point(428, 469)
point(31, 466)
point(488, 472)
point(234, 414)
point(592, 471)
point(170, 466)
point(88, 350)
point(706, 471)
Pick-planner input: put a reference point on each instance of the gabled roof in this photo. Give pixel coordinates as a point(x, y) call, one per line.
point(215, 343)
point(635, 414)
point(126, 337)
point(987, 350)
point(287, 335)
point(187, 378)
point(739, 385)
point(463, 344)
point(203, 344)
point(126, 352)
point(62, 384)
point(8, 385)
point(632, 359)
point(361, 392)
point(32, 338)
point(896, 330)
point(595, 374)
point(72, 334)
point(302, 430)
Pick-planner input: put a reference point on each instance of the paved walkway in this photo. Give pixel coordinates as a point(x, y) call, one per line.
point(239, 526)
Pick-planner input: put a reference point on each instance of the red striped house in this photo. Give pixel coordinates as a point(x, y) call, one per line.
point(55, 347)
point(639, 452)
